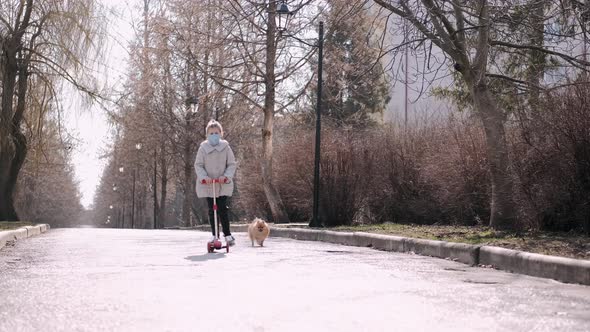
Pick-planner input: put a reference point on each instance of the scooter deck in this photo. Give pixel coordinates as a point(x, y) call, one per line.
point(211, 248)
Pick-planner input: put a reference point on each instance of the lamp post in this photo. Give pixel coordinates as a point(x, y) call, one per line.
point(121, 211)
point(192, 104)
point(315, 222)
point(111, 207)
point(138, 148)
point(119, 223)
point(282, 19)
point(155, 188)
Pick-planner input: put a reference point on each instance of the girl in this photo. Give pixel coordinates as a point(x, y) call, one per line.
point(216, 160)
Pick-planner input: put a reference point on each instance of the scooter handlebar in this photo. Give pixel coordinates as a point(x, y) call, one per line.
point(204, 181)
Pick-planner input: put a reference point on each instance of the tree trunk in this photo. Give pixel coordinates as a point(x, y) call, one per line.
point(9, 156)
point(503, 214)
point(7, 143)
point(13, 144)
point(188, 170)
point(272, 195)
point(277, 208)
point(536, 65)
point(163, 190)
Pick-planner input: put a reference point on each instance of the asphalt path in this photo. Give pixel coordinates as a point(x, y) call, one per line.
point(163, 280)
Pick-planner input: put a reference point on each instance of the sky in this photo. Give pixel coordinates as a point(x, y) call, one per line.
point(88, 123)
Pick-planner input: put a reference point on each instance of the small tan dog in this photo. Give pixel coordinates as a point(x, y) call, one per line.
point(258, 231)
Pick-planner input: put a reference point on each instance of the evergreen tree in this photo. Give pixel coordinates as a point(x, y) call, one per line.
point(355, 92)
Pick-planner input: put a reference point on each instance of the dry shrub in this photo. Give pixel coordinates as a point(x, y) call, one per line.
point(432, 174)
point(342, 167)
point(456, 167)
point(399, 192)
point(345, 172)
point(341, 174)
point(249, 194)
point(551, 155)
point(437, 173)
point(293, 175)
point(294, 172)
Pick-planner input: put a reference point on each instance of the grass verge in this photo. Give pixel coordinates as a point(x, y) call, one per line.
point(10, 225)
point(556, 244)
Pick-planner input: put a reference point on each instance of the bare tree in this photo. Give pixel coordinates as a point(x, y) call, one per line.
point(38, 38)
point(47, 189)
point(470, 33)
point(173, 36)
point(264, 60)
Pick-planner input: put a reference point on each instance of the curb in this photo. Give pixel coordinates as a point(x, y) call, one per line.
point(461, 252)
point(380, 241)
point(563, 269)
point(21, 233)
point(343, 238)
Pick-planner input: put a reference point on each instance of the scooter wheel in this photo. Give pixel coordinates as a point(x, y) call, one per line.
point(209, 248)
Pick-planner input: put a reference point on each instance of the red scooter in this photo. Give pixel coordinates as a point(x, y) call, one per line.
point(216, 244)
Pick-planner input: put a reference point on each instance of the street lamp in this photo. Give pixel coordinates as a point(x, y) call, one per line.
point(315, 222)
point(191, 100)
point(283, 16)
point(119, 223)
point(137, 147)
point(192, 103)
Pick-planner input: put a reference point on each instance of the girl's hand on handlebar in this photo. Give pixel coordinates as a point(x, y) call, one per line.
point(224, 179)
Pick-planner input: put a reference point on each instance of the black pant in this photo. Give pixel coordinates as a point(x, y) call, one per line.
point(221, 214)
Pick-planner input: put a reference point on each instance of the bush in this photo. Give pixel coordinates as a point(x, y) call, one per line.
point(434, 174)
point(249, 196)
point(551, 154)
point(293, 176)
point(437, 173)
point(341, 174)
point(455, 166)
point(344, 177)
point(399, 191)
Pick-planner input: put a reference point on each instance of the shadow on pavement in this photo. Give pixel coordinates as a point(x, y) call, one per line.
point(205, 257)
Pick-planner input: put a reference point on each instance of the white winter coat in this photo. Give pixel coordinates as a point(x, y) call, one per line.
point(213, 162)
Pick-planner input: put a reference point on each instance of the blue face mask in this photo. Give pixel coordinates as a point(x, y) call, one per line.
point(213, 139)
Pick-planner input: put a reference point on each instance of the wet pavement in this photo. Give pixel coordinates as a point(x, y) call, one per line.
point(163, 280)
